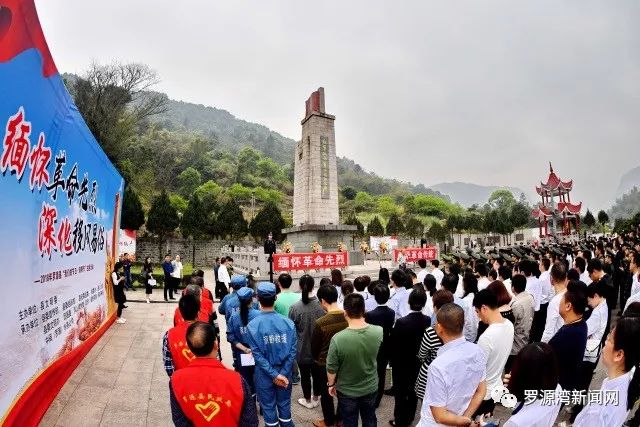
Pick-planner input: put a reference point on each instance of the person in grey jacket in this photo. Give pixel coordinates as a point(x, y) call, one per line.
point(523, 309)
point(304, 314)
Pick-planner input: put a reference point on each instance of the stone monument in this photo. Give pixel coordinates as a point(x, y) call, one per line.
point(315, 187)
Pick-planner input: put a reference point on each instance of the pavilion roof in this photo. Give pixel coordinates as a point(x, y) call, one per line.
point(554, 183)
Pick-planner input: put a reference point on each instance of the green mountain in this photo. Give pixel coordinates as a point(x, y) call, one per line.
point(229, 133)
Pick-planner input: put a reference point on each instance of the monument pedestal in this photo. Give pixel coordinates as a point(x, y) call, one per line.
point(327, 235)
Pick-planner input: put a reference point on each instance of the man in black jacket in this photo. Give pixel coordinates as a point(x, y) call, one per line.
point(597, 274)
point(384, 317)
point(406, 337)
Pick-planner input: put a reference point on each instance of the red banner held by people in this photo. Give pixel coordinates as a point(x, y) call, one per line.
point(414, 254)
point(310, 261)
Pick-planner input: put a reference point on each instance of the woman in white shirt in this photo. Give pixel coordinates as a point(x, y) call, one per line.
point(621, 388)
point(534, 369)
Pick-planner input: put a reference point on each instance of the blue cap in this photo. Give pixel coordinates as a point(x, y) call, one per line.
point(238, 281)
point(266, 290)
point(244, 294)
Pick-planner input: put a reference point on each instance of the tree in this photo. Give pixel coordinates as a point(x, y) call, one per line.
point(230, 221)
point(501, 199)
point(375, 227)
point(208, 194)
point(194, 222)
point(386, 207)
point(603, 219)
point(349, 193)
point(359, 232)
point(364, 202)
point(247, 165)
point(414, 228)
point(394, 225)
point(456, 223)
point(268, 220)
point(114, 100)
point(437, 233)
point(132, 213)
point(589, 219)
point(179, 203)
point(188, 181)
point(519, 215)
point(163, 219)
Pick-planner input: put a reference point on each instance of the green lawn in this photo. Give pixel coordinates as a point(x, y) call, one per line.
point(158, 273)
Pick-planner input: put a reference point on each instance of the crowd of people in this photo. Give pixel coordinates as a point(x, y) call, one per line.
point(523, 327)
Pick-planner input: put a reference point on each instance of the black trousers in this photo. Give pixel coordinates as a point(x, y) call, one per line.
point(537, 326)
point(306, 374)
point(486, 407)
point(329, 414)
point(406, 401)
point(168, 286)
point(586, 374)
point(120, 307)
point(382, 375)
point(221, 290)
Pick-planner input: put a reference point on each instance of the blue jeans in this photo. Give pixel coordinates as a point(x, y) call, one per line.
point(127, 280)
point(349, 408)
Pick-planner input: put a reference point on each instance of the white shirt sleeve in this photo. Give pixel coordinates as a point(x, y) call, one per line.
point(114, 278)
point(551, 322)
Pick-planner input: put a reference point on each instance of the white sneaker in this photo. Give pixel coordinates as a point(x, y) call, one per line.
point(306, 404)
point(148, 302)
point(315, 403)
point(121, 320)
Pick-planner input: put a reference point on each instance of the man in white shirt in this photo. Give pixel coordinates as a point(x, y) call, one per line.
point(360, 284)
point(483, 280)
point(456, 381)
point(580, 264)
point(422, 263)
point(399, 301)
point(496, 342)
point(554, 322)
point(222, 286)
point(470, 329)
point(534, 287)
point(504, 275)
point(177, 273)
point(436, 272)
point(546, 293)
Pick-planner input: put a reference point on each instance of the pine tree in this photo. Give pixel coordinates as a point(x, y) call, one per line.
point(589, 219)
point(268, 220)
point(193, 223)
point(163, 218)
point(231, 222)
point(414, 229)
point(375, 227)
point(394, 225)
point(359, 232)
point(132, 212)
point(603, 219)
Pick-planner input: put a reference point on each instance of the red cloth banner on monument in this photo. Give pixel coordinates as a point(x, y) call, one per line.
point(310, 261)
point(414, 254)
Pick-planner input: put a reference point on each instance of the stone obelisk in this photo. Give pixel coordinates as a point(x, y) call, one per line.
point(315, 188)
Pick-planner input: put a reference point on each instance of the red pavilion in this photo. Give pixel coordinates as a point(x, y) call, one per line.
point(551, 210)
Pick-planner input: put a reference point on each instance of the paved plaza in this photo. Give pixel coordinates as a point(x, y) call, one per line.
point(122, 381)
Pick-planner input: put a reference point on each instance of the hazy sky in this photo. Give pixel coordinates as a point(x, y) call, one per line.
point(427, 91)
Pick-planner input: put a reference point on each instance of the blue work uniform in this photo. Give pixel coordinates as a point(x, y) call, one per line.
point(272, 338)
point(229, 305)
point(237, 333)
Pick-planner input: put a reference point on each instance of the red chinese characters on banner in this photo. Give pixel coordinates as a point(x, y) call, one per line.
point(16, 145)
point(39, 162)
point(310, 261)
point(414, 254)
point(46, 231)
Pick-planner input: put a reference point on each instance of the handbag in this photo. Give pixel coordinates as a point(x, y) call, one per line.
point(152, 282)
point(593, 348)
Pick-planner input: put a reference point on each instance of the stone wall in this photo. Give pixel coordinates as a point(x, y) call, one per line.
point(206, 251)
